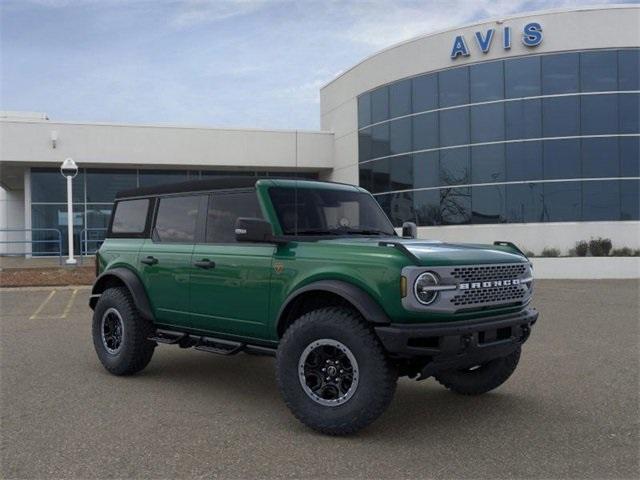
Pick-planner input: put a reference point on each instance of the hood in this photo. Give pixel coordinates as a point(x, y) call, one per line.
point(436, 253)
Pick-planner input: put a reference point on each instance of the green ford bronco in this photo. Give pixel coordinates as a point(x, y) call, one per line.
point(315, 274)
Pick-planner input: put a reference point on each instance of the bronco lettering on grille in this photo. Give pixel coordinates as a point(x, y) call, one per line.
point(494, 283)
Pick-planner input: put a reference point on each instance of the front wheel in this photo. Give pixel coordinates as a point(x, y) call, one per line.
point(333, 373)
point(482, 378)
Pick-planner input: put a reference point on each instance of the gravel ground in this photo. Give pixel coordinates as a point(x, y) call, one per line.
point(570, 410)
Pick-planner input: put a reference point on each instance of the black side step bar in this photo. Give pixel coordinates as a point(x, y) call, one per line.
point(167, 336)
point(220, 346)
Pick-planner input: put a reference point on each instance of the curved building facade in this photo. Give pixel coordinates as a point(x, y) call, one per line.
point(524, 128)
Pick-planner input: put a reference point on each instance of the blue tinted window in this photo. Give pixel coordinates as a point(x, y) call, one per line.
point(560, 73)
point(425, 131)
point(400, 98)
point(487, 164)
point(381, 176)
point(427, 207)
point(599, 114)
point(488, 204)
point(600, 157)
point(149, 178)
point(400, 135)
point(102, 185)
point(561, 159)
point(455, 205)
point(454, 127)
point(401, 208)
point(487, 81)
point(523, 119)
point(425, 93)
point(562, 201)
point(366, 176)
point(601, 200)
point(380, 105)
point(522, 77)
point(401, 174)
point(599, 71)
point(48, 185)
point(629, 112)
point(524, 203)
point(454, 87)
point(365, 148)
point(380, 140)
point(364, 110)
point(54, 216)
point(426, 169)
point(629, 69)
point(629, 156)
point(629, 200)
point(560, 116)
point(455, 167)
point(523, 161)
point(487, 123)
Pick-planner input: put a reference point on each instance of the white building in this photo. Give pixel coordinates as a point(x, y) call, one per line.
point(523, 129)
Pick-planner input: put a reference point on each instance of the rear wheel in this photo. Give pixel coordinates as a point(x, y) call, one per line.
point(333, 372)
point(120, 333)
point(482, 378)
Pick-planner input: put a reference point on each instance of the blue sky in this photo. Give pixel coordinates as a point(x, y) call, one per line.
point(236, 63)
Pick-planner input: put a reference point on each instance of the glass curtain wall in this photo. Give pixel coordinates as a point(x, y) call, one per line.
point(545, 138)
point(94, 191)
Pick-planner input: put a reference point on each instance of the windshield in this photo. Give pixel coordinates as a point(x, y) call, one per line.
point(311, 211)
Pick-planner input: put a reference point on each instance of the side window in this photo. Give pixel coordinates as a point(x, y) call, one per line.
point(224, 210)
point(177, 218)
point(130, 216)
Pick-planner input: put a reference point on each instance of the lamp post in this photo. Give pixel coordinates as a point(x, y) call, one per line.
point(69, 170)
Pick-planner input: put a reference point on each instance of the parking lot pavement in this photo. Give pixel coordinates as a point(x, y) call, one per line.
point(570, 410)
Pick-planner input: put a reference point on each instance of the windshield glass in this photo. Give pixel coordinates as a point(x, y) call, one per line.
point(311, 211)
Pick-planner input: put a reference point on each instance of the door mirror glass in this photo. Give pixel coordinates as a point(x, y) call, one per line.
point(409, 230)
point(253, 230)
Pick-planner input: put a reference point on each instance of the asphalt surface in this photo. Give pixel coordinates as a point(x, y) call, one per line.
point(570, 410)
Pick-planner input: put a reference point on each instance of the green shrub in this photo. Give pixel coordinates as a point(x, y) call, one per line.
point(550, 252)
point(582, 247)
point(600, 247)
point(623, 252)
point(529, 254)
point(636, 252)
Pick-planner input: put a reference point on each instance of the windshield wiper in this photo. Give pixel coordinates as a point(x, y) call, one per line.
point(316, 231)
point(364, 231)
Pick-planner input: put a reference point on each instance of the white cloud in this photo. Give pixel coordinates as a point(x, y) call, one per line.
point(194, 12)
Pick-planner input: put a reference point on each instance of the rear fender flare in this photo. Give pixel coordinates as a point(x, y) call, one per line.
point(133, 284)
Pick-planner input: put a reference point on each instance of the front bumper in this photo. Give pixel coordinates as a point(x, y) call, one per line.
point(451, 345)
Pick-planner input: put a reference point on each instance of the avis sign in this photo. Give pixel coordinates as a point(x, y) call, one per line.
point(531, 37)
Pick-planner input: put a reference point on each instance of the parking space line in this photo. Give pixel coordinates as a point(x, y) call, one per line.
point(69, 304)
point(42, 305)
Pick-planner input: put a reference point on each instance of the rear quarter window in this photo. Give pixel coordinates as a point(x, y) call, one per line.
point(130, 217)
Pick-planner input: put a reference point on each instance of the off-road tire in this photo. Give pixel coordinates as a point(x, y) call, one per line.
point(377, 376)
point(136, 350)
point(483, 379)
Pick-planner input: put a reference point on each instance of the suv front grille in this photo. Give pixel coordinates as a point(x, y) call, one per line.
point(511, 293)
point(490, 272)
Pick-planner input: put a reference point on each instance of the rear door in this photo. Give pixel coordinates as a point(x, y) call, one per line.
point(165, 259)
point(230, 281)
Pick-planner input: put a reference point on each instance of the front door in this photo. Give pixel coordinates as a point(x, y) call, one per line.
point(165, 259)
point(230, 282)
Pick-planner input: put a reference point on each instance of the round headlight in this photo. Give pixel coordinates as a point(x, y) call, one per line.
point(422, 288)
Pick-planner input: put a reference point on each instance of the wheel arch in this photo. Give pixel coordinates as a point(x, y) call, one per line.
point(323, 293)
point(123, 277)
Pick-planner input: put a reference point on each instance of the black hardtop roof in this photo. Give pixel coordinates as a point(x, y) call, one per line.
point(222, 183)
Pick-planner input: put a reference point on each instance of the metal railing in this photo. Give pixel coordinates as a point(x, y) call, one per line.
point(87, 238)
point(57, 241)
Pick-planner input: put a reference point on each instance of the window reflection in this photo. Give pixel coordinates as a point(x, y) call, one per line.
point(601, 200)
point(562, 201)
point(455, 205)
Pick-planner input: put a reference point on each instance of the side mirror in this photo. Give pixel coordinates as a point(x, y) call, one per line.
point(409, 230)
point(253, 230)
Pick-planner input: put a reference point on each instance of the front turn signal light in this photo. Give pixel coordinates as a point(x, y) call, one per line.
point(403, 286)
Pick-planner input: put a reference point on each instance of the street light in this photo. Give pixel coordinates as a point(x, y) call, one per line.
point(69, 170)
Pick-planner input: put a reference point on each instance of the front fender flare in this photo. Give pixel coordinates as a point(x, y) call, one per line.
point(361, 300)
point(133, 284)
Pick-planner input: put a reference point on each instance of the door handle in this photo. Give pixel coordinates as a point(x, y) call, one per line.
point(150, 260)
point(205, 263)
